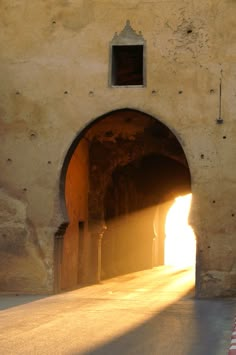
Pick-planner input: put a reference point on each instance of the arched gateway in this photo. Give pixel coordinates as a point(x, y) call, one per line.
point(117, 173)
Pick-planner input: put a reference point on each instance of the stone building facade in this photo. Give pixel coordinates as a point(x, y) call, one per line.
point(82, 146)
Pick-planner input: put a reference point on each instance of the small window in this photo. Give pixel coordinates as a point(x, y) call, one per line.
point(127, 65)
point(127, 58)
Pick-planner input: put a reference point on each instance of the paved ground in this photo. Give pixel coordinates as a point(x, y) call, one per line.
point(147, 313)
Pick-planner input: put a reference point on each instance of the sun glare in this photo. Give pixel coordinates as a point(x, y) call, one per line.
point(180, 242)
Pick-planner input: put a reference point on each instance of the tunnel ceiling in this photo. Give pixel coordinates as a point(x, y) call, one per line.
point(146, 134)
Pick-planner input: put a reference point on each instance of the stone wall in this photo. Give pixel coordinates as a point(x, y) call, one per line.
point(54, 82)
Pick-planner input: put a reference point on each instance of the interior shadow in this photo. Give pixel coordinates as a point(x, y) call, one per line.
point(134, 193)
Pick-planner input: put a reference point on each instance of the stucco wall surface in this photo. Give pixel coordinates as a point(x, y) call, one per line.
point(54, 64)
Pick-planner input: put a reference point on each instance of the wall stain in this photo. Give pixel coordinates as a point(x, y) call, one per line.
point(75, 19)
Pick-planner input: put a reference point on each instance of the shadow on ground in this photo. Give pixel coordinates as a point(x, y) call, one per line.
point(9, 301)
point(188, 327)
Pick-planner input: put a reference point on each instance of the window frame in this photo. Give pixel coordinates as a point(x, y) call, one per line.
point(127, 37)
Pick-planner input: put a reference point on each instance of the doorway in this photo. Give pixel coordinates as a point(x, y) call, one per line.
point(117, 171)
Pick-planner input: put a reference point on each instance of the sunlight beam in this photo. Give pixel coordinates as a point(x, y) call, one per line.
point(180, 241)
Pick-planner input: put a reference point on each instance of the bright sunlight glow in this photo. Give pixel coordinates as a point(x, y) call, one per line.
point(180, 242)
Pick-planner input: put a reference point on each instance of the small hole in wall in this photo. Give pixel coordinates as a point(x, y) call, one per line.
point(202, 156)
point(154, 92)
point(17, 93)
point(32, 135)
point(49, 162)
point(24, 189)
point(189, 31)
point(91, 93)
point(232, 214)
point(53, 22)
point(209, 247)
point(109, 134)
point(180, 92)
point(213, 201)
point(212, 91)
point(224, 137)
point(9, 160)
point(128, 119)
point(65, 92)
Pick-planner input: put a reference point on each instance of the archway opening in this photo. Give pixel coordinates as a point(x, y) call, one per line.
point(180, 240)
point(120, 171)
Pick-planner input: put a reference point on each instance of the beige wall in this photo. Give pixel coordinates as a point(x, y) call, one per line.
point(54, 75)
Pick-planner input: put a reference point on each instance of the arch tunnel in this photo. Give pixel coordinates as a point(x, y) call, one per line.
point(121, 172)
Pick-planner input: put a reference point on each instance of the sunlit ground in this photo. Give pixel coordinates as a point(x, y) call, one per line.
point(123, 308)
point(117, 311)
point(180, 242)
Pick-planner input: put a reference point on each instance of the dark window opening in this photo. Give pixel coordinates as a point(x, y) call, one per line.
point(127, 65)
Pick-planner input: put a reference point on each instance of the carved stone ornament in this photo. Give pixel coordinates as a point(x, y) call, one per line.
point(128, 36)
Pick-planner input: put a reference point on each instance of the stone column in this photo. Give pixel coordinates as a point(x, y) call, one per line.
point(98, 231)
point(58, 254)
